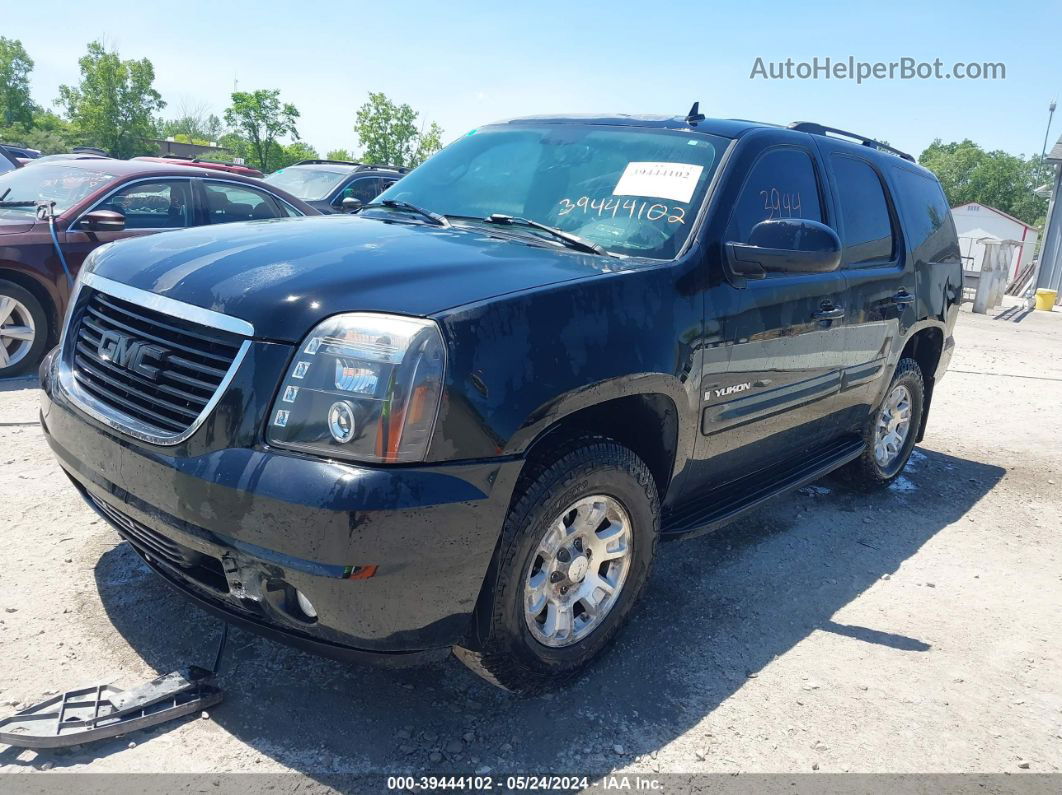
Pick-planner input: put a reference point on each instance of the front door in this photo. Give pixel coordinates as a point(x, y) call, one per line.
point(149, 206)
point(778, 397)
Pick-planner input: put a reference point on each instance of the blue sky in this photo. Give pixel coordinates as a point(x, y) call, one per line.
point(465, 64)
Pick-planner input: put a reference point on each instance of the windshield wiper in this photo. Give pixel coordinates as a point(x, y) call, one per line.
point(395, 204)
point(18, 204)
point(572, 241)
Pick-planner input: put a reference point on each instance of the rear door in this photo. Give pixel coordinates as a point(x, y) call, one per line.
point(881, 287)
point(226, 202)
point(777, 399)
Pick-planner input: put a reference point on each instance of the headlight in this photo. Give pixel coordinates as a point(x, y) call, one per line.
point(362, 386)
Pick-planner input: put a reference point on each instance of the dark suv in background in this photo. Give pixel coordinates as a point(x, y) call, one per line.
point(324, 184)
point(464, 417)
point(99, 200)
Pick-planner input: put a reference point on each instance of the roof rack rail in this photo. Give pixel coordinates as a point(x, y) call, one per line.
point(359, 166)
point(318, 161)
point(819, 129)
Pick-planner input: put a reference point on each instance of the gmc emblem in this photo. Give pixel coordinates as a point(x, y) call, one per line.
point(131, 354)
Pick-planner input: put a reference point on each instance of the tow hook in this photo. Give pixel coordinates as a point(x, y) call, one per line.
point(102, 711)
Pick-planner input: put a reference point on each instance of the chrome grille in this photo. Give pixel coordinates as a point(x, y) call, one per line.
point(158, 370)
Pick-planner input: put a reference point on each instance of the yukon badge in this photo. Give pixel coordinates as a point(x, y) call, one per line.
point(727, 390)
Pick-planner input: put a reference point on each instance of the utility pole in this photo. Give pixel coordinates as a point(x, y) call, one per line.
point(1047, 134)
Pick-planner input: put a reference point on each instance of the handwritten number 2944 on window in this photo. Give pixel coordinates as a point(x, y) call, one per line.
point(780, 205)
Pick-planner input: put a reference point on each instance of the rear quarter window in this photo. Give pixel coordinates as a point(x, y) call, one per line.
point(927, 217)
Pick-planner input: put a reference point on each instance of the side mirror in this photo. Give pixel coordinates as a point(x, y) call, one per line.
point(350, 204)
point(791, 245)
point(103, 221)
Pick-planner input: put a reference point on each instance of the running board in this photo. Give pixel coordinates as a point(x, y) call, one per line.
point(724, 503)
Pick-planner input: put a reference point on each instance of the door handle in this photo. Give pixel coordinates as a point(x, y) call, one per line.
point(828, 312)
point(903, 297)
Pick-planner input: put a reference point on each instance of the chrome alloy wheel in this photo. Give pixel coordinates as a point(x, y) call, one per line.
point(16, 331)
point(894, 423)
point(577, 573)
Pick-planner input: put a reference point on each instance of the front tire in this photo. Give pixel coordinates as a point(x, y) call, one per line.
point(574, 557)
point(23, 330)
point(890, 431)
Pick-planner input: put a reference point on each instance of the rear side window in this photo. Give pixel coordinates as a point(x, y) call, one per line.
point(926, 215)
point(782, 184)
point(868, 235)
point(228, 203)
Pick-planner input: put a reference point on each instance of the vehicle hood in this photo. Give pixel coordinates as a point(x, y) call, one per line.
point(284, 276)
point(13, 226)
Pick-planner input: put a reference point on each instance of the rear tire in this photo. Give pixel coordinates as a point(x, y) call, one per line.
point(23, 330)
point(900, 412)
point(583, 521)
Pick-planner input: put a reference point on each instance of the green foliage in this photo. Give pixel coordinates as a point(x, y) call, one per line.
point(389, 134)
point(259, 119)
point(428, 143)
point(997, 179)
point(113, 106)
point(339, 154)
point(16, 106)
point(196, 126)
point(47, 133)
point(293, 153)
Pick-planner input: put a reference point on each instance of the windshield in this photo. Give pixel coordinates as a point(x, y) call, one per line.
point(64, 184)
point(308, 184)
point(634, 191)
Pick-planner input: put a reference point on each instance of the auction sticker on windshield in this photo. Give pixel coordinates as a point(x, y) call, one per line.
point(675, 181)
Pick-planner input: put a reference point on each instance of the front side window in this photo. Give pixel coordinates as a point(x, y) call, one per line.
point(635, 191)
point(868, 233)
point(63, 184)
point(781, 184)
point(364, 190)
point(226, 203)
point(161, 204)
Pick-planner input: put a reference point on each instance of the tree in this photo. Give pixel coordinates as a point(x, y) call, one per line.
point(339, 154)
point(389, 134)
point(260, 119)
point(194, 121)
point(113, 106)
point(970, 174)
point(292, 153)
point(16, 106)
point(428, 143)
point(47, 133)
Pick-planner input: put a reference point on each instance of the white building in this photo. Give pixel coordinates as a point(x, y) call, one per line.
point(975, 222)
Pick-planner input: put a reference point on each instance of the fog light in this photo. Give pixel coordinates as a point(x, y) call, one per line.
point(304, 604)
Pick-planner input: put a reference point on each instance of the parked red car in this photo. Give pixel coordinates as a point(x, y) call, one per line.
point(231, 168)
point(98, 201)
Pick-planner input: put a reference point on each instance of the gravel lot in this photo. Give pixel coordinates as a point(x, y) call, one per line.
point(916, 630)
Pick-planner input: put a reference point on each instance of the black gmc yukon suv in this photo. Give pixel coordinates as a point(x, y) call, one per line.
point(464, 417)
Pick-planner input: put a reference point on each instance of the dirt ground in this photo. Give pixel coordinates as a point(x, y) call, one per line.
point(918, 630)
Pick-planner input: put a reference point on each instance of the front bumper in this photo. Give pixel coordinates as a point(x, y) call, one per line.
point(238, 529)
